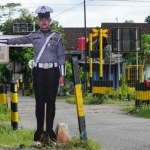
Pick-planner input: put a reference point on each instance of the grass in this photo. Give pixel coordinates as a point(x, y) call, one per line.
point(129, 106)
point(82, 144)
point(142, 111)
point(4, 113)
point(10, 139)
point(93, 100)
point(15, 138)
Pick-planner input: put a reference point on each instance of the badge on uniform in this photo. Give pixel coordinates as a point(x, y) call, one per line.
point(53, 37)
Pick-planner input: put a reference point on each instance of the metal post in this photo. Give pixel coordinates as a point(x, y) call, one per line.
point(33, 26)
point(109, 62)
point(14, 69)
point(79, 99)
point(100, 54)
point(86, 87)
point(91, 63)
point(136, 57)
point(3, 94)
point(137, 66)
point(14, 105)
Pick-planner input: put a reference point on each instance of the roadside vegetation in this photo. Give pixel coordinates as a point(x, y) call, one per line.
point(141, 111)
point(22, 139)
point(4, 113)
point(126, 105)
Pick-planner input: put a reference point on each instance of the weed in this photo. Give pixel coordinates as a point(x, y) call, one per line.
point(4, 113)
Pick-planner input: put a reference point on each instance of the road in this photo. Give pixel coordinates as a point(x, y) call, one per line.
point(106, 124)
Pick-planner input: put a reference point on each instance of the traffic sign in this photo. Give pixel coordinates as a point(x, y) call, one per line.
point(96, 33)
point(105, 35)
point(9, 66)
point(104, 31)
point(4, 54)
point(95, 30)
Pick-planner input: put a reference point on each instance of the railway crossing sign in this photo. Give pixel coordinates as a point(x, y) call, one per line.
point(96, 32)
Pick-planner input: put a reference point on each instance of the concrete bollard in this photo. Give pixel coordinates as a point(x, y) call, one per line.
point(14, 105)
point(3, 94)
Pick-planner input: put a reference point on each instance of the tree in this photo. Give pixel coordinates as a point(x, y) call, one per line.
point(8, 10)
point(21, 54)
point(147, 19)
point(69, 74)
point(143, 56)
point(25, 16)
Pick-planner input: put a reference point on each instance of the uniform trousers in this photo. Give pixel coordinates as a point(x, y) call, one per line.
point(45, 84)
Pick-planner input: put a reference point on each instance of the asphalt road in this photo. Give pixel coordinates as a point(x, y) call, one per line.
point(106, 124)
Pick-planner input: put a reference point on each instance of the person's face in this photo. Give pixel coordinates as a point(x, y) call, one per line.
point(44, 23)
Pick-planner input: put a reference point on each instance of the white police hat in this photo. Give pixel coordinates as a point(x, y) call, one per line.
point(43, 9)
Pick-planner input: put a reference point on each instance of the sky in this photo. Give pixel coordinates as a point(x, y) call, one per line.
point(70, 13)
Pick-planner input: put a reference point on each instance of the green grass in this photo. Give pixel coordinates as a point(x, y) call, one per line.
point(11, 139)
point(63, 97)
point(4, 113)
point(129, 106)
point(93, 100)
point(77, 144)
point(142, 111)
point(15, 138)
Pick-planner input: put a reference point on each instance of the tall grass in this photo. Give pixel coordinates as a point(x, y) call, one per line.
point(13, 138)
point(142, 111)
point(4, 113)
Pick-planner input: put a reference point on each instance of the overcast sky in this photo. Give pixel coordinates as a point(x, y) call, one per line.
point(70, 13)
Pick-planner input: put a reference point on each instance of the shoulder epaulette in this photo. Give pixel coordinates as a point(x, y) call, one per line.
point(56, 32)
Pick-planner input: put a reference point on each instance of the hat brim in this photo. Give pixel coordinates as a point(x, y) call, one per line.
point(43, 15)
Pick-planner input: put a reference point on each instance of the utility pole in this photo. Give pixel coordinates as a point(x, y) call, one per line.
point(85, 44)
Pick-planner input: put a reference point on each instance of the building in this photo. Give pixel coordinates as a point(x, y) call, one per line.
point(111, 69)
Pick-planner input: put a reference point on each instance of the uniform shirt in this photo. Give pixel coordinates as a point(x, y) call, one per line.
point(54, 50)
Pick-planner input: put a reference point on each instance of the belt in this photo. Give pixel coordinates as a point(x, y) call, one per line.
point(47, 65)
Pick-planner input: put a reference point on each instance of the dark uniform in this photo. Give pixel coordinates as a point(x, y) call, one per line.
point(46, 75)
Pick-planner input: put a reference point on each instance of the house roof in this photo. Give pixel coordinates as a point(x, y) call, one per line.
point(72, 34)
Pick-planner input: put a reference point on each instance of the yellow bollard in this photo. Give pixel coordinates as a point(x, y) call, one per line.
point(14, 105)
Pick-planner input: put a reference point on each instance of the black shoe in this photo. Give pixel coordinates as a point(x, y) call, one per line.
point(46, 140)
point(52, 135)
point(37, 135)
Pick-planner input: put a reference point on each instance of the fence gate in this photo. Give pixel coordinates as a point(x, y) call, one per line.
point(130, 72)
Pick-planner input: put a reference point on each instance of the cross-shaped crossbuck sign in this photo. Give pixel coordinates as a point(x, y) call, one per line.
point(96, 32)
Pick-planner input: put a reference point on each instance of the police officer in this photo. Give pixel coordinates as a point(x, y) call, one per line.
point(49, 69)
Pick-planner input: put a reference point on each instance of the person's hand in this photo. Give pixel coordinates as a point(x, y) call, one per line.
point(3, 41)
point(61, 80)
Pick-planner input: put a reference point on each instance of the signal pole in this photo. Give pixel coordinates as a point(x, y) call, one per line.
point(86, 87)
